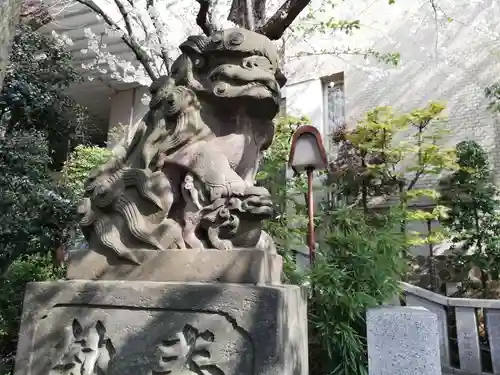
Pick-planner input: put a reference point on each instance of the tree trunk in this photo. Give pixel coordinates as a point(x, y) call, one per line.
point(364, 185)
point(435, 284)
point(10, 10)
point(248, 13)
point(485, 293)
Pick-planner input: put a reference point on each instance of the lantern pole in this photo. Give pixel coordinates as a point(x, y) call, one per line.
point(307, 154)
point(310, 212)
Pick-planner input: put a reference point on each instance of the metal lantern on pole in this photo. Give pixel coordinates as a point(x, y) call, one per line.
point(307, 153)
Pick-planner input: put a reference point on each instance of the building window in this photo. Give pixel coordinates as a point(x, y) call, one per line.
point(334, 103)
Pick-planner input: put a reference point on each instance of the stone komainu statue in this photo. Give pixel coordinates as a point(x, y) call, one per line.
point(187, 178)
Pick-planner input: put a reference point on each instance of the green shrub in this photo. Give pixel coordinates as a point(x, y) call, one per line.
point(34, 94)
point(288, 227)
point(358, 266)
point(473, 219)
point(75, 172)
point(81, 162)
point(36, 214)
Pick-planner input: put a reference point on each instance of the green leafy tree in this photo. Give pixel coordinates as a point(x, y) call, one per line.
point(393, 157)
point(473, 220)
point(273, 175)
point(33, 95)
point(38, 124)
point(36, 214)
point(287, 228)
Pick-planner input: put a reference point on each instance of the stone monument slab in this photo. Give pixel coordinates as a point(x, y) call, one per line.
point(152, 328)
point(245, 266)
point(403, 341)
point(469, 350)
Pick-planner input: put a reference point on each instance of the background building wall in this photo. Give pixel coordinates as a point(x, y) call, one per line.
point(450, 56)
point(126, 112)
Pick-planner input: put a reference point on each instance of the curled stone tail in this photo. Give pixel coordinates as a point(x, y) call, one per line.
point(109, 235)
point(135, 221)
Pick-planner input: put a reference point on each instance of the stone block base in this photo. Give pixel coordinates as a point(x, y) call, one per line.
point(402, 341)
point(237, 266)
point(154, 328)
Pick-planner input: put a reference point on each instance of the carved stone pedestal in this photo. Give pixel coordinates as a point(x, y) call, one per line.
point(120, 327)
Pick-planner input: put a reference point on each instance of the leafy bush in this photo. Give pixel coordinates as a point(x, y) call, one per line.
point(35, 214)
point(358, 266)
point(473, 219)
point(36, 219)
point(25, 269)
point(34, 93)
point(81, 162)
point(75, 172)
point(394, 156)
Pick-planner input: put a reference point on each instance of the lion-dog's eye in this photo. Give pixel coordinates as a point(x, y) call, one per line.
point(236, 38)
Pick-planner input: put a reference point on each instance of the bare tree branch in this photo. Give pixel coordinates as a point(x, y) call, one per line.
point(128, 25)
point(390, 58)
point(202, 19)
point(249, 13)
point(127, 39)
point(159, 35)
point(415, 179)
point(259, 12)
point(282, 19)
point(436, 24)
point(125, 16)
point(242, 13)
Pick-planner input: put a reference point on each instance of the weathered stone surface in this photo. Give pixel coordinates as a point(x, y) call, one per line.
point(403, 341)
point(239, 266)
point(9, 16)
point(438, 309)
point(469, 351)
point(493, 324)
point(156, 328)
